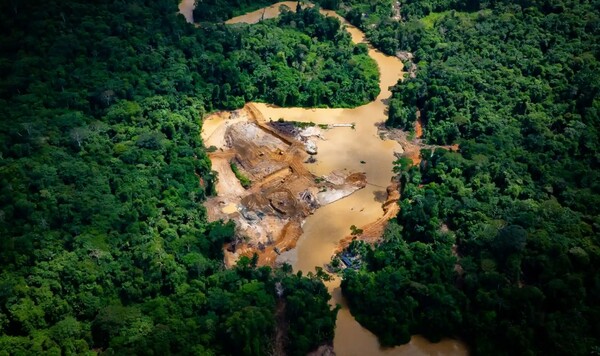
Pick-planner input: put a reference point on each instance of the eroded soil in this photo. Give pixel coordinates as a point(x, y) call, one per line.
point(269, 214)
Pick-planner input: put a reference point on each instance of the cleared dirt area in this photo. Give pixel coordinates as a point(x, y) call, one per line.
point(270, 212)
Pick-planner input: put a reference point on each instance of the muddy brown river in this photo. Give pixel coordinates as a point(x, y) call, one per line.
point(344, 148)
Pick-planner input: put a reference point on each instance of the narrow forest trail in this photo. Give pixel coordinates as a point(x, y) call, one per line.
point(419, 127)
point(358, 149)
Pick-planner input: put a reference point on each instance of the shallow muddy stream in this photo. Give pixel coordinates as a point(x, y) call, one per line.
point(354, 149)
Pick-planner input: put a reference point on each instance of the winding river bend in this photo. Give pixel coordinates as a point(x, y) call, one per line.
point(344, 149)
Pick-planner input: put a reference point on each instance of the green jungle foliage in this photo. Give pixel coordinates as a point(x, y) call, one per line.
point(104, 242)
point(307, 60)
point(298, 59)
point(244, 181)
point(498, 243)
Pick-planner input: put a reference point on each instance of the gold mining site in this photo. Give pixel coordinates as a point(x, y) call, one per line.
point(269, 214)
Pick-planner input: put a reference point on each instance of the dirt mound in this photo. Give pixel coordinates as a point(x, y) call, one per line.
point(356, 179)
point(283, 201)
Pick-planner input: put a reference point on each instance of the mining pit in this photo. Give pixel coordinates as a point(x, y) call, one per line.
point(268, 214)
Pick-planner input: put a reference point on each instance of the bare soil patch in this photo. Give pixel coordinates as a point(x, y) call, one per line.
point(269, 214)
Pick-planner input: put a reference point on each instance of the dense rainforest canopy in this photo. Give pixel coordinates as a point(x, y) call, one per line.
point(499, 243)
point(104, 243)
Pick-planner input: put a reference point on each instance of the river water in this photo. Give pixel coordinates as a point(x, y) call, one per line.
point(344, 148)
point(186, 8)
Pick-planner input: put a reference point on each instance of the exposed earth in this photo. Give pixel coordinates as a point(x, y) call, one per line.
point(270, 212)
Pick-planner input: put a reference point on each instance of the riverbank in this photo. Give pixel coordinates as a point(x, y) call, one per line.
point(358, 149)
